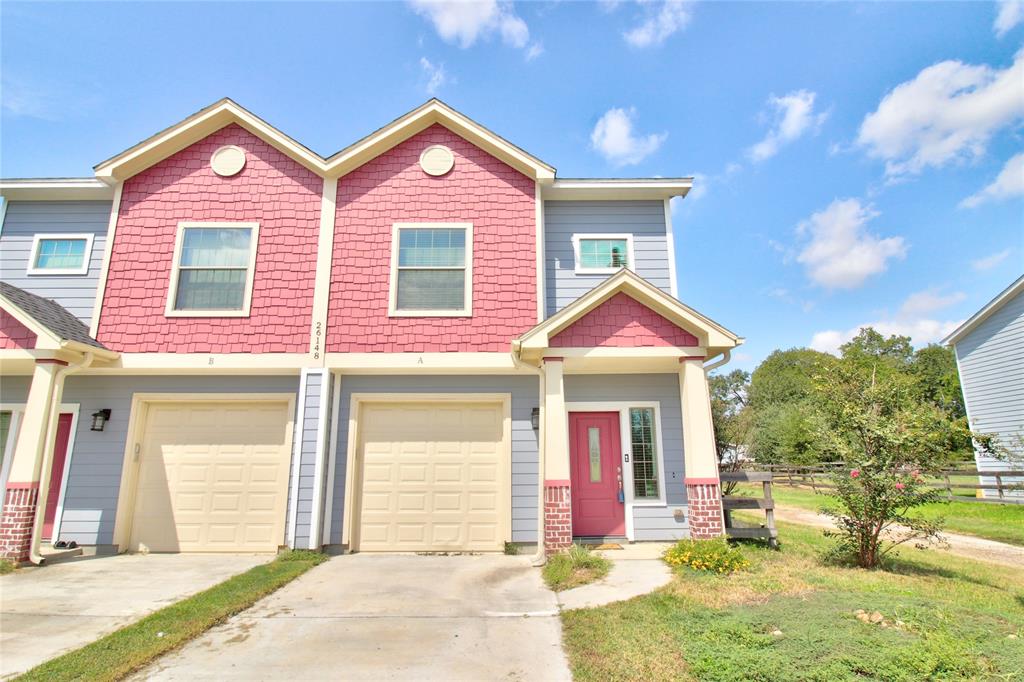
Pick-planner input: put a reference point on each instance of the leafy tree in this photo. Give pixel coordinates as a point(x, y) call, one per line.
point(728, 402)
point(888, 437)
point(788, 433)
point(785, 376)
point(938, 381)
point(870, 347)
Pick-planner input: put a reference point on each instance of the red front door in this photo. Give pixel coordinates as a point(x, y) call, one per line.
point(60, 455)
point(595, 455)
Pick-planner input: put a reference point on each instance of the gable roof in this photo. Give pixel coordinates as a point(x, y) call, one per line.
point(711, 335)
point(49, 320)
point(1004, 297)
point(225, 111)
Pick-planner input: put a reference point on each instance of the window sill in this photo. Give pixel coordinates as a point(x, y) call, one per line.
point(206, 313)
point(598, 271)
point(430, 313)
point(39, 272)
point(649, 503)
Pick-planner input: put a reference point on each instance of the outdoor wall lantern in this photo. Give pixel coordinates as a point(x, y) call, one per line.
point(535, 418)
point(99, 419)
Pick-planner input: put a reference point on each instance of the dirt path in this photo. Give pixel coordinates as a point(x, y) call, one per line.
point(961, 545)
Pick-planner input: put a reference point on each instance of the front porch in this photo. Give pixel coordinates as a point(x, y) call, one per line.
point(628, 441)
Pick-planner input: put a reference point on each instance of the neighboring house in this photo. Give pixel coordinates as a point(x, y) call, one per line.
point(425, 342)
point(989, 351)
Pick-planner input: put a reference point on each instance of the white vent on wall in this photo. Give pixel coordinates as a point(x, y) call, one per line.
point(228, 160)
point(437, 160)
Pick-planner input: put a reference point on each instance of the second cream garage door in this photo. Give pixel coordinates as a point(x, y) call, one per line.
point(434, 477)
point(213, 477)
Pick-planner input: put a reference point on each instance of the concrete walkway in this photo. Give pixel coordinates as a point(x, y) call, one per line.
point(962, 545)
point(636, 569)
point(48, 611)
point(388, 617)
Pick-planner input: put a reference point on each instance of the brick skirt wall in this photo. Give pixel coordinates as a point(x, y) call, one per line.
point(705, 500)
point(557, 516)
point(16, 521)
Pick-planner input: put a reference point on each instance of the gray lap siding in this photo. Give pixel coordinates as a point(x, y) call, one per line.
point(525, 396)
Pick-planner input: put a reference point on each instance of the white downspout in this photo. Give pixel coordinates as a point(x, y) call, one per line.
point(540, 558)
point(45, 463)
point(726, 356)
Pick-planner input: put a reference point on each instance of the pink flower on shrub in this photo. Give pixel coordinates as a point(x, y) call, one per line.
point(900, 486)
point(855, 473)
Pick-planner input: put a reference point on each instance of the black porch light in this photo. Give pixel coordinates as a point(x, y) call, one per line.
point(535, 418)
point(99, 419)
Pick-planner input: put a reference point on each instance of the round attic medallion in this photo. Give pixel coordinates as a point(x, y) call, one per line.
point(437, 160)
point(228, 160)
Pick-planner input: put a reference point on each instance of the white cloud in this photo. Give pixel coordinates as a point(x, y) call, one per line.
point(464, 22)
point(614, 138)
point(989, 262)
point(911, 320)
point(659, 23)
point(1011, 13)
point(841, 253)
point(533, 51)
point(792, 116)
point(436, 75)
point(1009, 183)
point(947, 113)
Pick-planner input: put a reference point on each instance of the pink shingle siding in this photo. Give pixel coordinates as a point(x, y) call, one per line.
point(499, 202)
point(622, 322)
point(15, 335)
point(273, 190)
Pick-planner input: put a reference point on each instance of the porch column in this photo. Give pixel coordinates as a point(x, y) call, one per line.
point(703, 490)
point(21, 498)
point(557, 504)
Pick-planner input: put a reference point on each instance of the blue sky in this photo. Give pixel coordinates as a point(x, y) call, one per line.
point(855, 163)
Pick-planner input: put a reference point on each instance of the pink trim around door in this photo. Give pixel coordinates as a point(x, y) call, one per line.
point(595, 466)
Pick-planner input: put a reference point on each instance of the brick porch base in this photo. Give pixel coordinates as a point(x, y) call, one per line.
point(19, 512)
point(705, 500)
point(557, 517)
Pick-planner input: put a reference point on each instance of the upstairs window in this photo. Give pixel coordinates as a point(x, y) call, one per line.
point(431, 270)
point(213, 270)
point(60, 254)
point(602, 254)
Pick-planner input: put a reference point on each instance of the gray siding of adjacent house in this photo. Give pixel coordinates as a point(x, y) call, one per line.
point(991, 361)
point(317, 393)
point(24, 220)
point(525, 397)
point(94, 476)
point(645, 220)
point(649, 523)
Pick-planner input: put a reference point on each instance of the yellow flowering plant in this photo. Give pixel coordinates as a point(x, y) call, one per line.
point(711, 556)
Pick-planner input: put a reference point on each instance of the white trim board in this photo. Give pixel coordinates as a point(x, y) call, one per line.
point(622, 407)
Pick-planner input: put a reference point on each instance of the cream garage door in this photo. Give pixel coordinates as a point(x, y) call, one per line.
point(434, 477)
point(213, 477)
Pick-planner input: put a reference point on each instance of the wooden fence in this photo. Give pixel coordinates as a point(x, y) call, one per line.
point(1008, 484)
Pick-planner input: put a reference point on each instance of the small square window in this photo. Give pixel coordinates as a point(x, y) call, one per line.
point(602, 254)
point(60, 254)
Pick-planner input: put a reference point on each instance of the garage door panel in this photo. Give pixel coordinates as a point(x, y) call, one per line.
point(432, 477)
point(213, 477)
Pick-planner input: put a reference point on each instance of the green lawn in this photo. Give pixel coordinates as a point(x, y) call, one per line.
point(130, 648)
point(1002, 522)
point(791, 618)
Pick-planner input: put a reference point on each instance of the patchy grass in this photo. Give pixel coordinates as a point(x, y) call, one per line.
point(791, 618)
point(7, 567)
point(1000, 522)
point(575, 567)
point(132, 647)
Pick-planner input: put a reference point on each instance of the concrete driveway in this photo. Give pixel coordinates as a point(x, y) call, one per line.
point(374, 617)
point(48, 611)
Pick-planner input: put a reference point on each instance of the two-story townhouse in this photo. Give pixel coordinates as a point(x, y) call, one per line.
point(224, 341)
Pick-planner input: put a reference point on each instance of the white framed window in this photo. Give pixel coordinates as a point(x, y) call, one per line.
point(431, 270)
point(602, 254)
point(213, 268)
point(60, 254)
